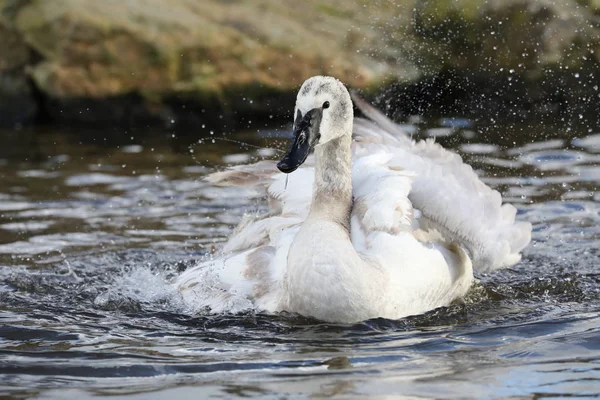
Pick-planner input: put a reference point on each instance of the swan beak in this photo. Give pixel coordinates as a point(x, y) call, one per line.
point(306, 136)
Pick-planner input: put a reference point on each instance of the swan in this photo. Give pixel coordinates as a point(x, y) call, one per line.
point(373, 224)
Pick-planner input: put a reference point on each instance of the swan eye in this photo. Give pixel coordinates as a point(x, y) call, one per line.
point(326, 104)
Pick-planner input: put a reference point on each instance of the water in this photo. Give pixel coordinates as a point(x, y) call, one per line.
point(94, 225)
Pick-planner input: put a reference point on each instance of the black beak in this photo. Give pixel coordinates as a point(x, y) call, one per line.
point(306, 136)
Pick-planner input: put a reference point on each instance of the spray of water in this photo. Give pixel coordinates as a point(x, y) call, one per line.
point(248, 145)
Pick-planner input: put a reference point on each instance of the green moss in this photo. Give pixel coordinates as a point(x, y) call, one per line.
point(156, 56)
point(10, 8)
point(43, 40)
point(333, 11)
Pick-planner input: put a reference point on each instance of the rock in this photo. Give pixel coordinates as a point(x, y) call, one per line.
point(149, 61)
point(524, 35)
point(14, 53)
point(228, 53)
point(521, 51)
point(17, 102)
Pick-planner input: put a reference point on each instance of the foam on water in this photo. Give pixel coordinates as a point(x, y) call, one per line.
point(140, 285)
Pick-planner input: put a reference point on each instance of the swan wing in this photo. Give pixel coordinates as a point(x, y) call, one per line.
point(380, 199)
point(445, 196)
point(449, 195)
point(247, 273)
point(423, 270)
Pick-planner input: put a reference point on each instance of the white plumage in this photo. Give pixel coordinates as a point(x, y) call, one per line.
point(418, 221)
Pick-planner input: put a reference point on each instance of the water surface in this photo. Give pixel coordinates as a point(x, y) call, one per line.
point(93, 225)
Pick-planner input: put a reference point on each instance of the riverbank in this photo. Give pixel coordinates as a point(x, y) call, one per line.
point(184, 62)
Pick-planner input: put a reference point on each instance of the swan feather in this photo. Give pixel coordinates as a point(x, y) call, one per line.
point(414, 202)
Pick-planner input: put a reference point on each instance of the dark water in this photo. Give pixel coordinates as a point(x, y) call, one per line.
point(93, 226)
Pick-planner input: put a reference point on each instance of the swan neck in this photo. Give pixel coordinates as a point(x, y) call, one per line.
point(332, 192)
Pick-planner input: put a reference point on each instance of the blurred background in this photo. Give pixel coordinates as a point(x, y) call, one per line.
point(113, 111)
point(167, 63)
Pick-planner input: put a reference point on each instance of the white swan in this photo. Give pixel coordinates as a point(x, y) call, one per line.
point(393, 227)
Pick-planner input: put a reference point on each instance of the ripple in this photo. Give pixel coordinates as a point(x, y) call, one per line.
point(586, 172)
point(38, 173)
point(196, 169)
point(456, 122)
point(15, 205)
point(133, 148)
point(479, 148)
point(590, 143)
point(31, 226)
point(440, 132)
point(57, 242)
point(266, 152)
point(531, 147)
point(236, 158)
point(88, 308)
point(500, 162)
point(553, 160)
point(94, 179)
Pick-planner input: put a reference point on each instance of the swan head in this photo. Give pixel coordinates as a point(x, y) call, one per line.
point(323, 113)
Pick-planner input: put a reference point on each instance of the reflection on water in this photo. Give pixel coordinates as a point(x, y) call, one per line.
point(93, 226)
